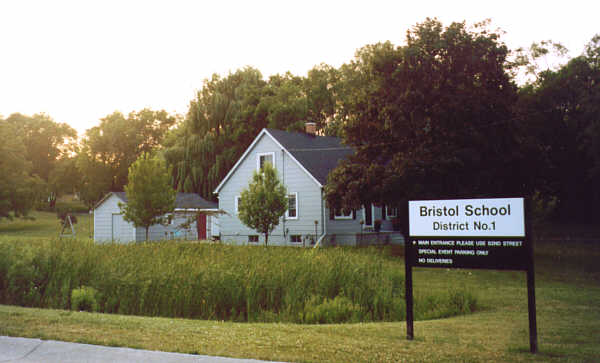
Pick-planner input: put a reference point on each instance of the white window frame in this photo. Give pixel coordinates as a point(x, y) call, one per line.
point(337, 216)
point(364, 212)
point(287, 216)
point(263, 154)
point(236, 202)
point(388, 214)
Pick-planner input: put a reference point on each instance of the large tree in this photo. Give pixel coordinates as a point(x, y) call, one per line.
point(430, 119)
point(227, 114)
point(264, 202)
point(19, 190)
point(149, 193)
point(562, 110)
point(49, 146)
point(64, 179)
point(220, 124)
point(321, 96)
point(223, 119)
point(109, 149)
point(45, 141)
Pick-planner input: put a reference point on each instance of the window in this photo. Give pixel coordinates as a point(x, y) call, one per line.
point(392, 212)
point(253, 238)
point(237, 203)
point(340, 214)
point(296, 238)
point(263, 158)
point(292, 212)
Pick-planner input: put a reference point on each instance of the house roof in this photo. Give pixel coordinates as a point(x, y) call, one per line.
point(193, 201)
point(317, 155)
point(182, 201)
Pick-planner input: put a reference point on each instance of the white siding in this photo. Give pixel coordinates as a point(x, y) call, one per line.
point(344, 231)
point(109, 225)
point(311, 206)
point(215, 226)
point(159, 232)
point(296, 181)
point(122, 231)
point(103, 222)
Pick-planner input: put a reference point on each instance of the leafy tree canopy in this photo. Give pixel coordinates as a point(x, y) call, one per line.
point(65, 178)
point(109, 149)
point(45, 141)
point(264, 202)
point(430, 119)
point(19, 190)
point(228, 113)
point(48, 145)
point(562, 113)
point(544, 56)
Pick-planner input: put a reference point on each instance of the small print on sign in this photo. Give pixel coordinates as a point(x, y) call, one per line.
point(466, 253)
point(492, 217)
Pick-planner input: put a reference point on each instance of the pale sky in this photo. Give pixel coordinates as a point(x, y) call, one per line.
point(79, 61)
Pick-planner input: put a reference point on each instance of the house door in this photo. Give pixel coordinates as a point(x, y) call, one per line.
point(368, 214)
point(116, 227)
point(201, 226)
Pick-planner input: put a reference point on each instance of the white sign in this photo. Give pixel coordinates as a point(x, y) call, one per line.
point(495, 217)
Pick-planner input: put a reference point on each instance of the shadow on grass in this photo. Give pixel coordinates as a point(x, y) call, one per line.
point(545, 353)
point(23, 227)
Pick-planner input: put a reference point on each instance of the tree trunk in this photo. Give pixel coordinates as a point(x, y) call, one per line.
point(266, 239)
point(147, 228)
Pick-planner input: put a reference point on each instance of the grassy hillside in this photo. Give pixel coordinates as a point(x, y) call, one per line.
point(567, 291)
point(44, 225)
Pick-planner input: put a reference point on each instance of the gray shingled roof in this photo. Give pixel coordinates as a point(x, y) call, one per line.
point(183, 201)
point(318, 154)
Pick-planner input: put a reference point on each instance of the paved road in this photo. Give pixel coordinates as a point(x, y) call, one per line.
point(25, 350)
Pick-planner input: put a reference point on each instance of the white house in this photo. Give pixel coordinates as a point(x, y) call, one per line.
point(303, 161)
point(109, 224)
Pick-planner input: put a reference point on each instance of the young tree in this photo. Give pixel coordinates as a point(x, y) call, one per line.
point(149, 193)
point(264, 202)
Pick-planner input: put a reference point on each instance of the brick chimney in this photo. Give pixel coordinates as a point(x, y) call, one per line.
point(311, 128)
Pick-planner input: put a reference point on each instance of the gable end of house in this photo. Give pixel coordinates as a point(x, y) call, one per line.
point(251, 147)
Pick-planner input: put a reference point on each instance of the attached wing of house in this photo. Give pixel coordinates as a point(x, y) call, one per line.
point(303, 161)
point(109, 224)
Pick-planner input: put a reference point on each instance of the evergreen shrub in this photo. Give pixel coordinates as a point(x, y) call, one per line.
point(84, 299)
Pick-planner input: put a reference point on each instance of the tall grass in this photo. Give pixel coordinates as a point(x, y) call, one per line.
point(213, 281)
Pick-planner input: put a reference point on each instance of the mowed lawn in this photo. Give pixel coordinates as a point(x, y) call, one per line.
point(45, 225)
point(568, 315)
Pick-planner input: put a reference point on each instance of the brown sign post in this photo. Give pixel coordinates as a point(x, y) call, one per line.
point(470, 233)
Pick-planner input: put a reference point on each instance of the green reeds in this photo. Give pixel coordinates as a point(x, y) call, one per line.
point(215, 281)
